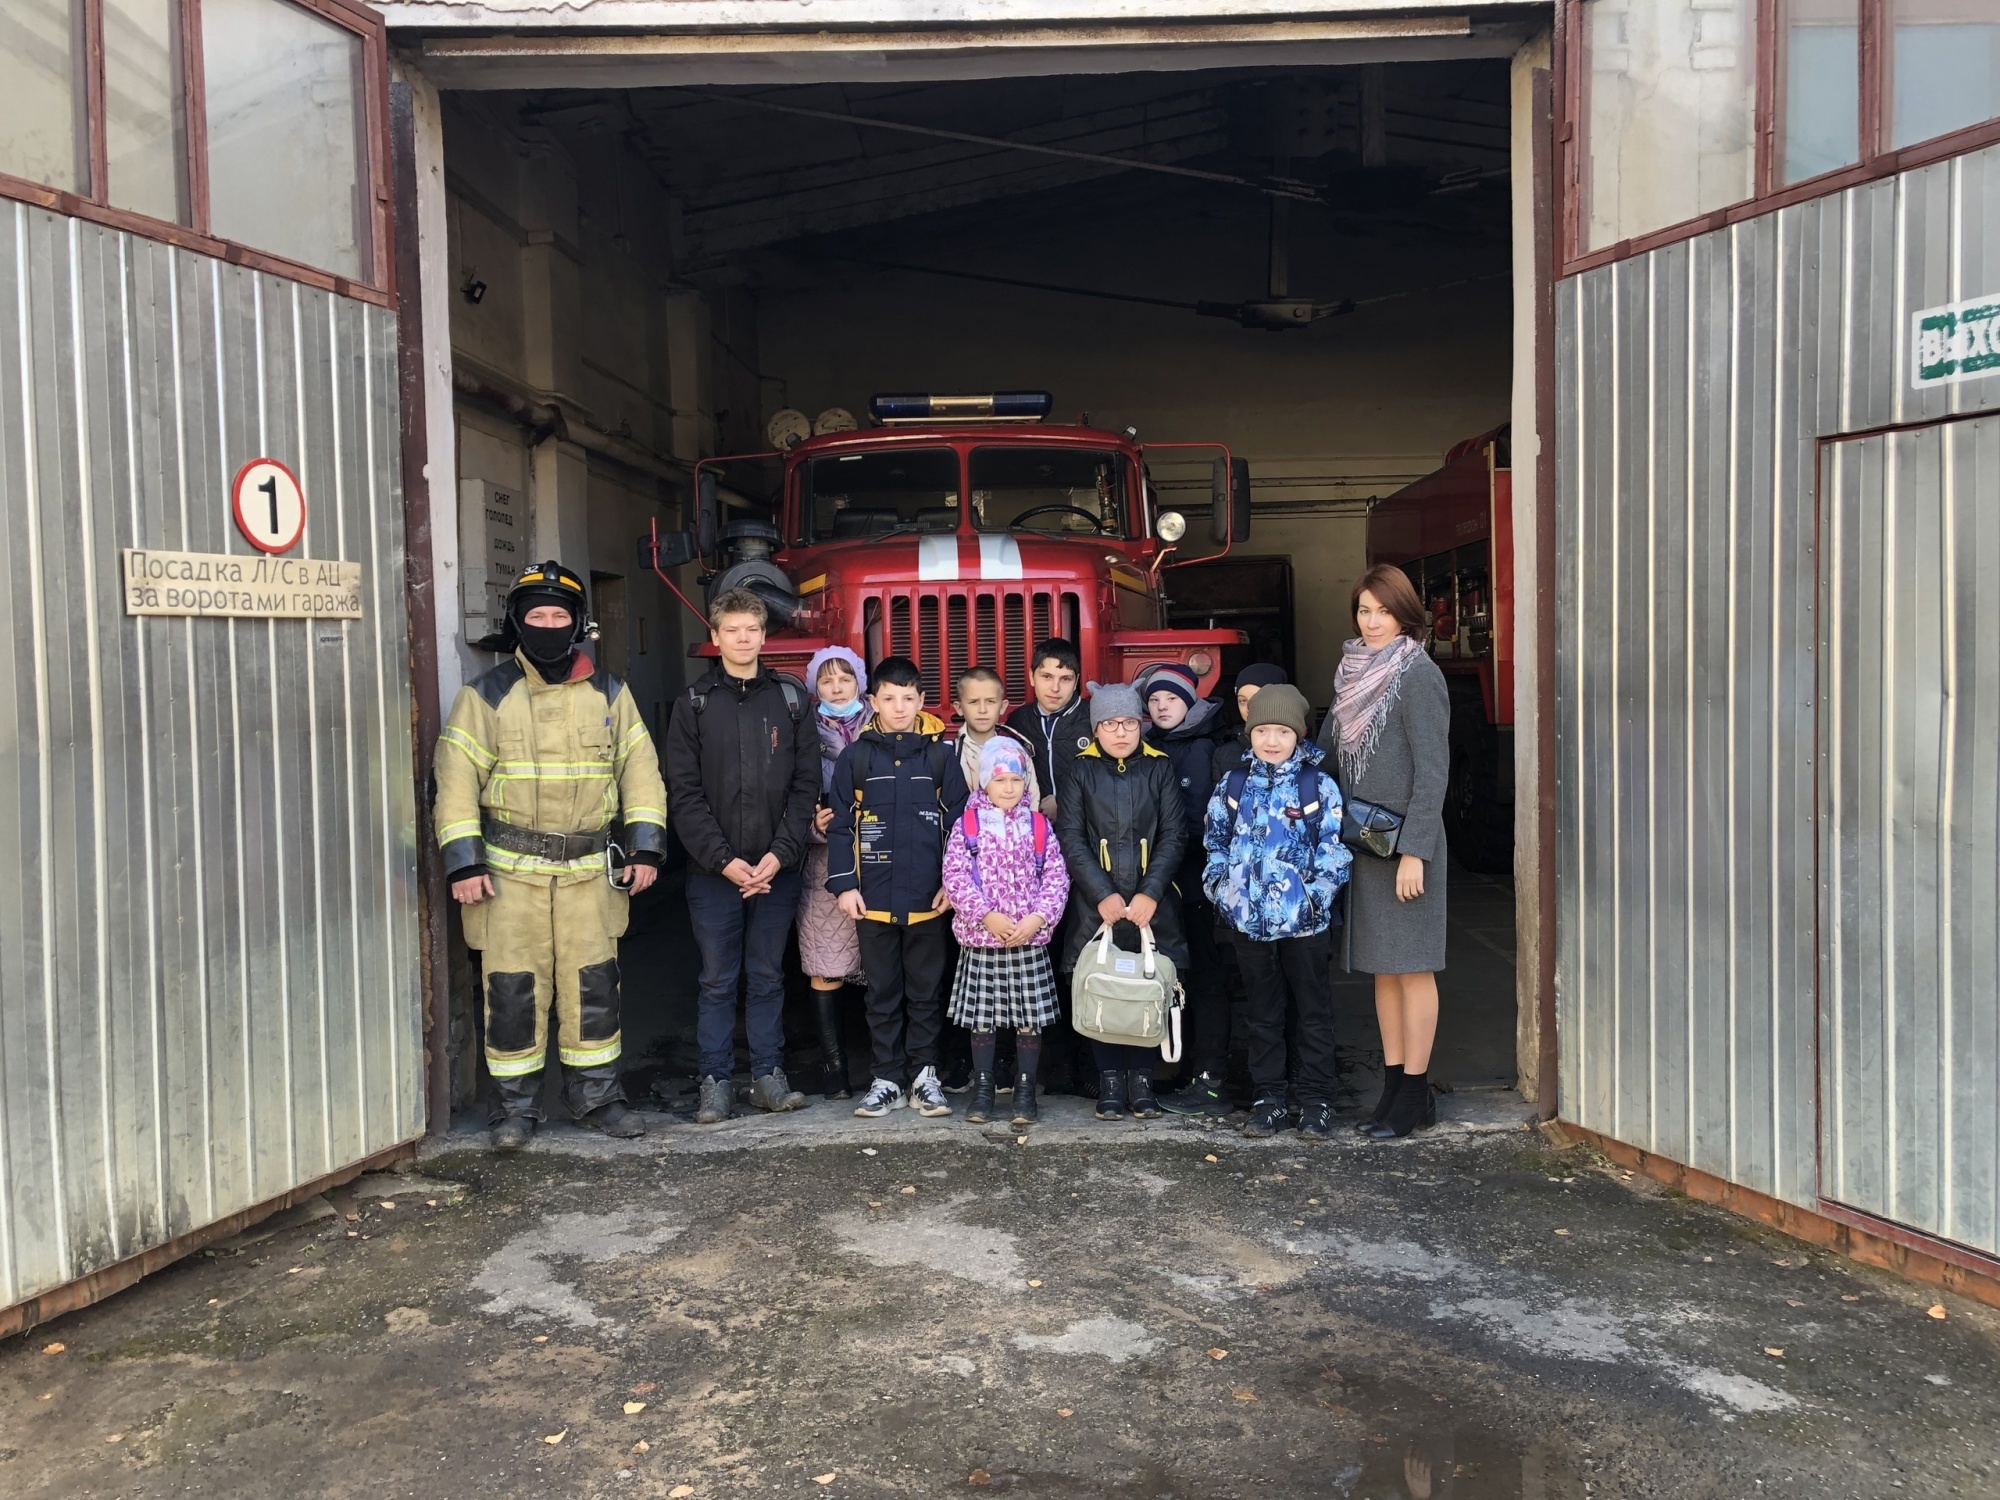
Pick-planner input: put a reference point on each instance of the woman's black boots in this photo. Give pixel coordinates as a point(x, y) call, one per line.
point(833, 1070)
point(1392, 1082)
point(1413, 1108)
point(1111, 1094)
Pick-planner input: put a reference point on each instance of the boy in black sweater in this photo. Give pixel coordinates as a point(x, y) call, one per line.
point(1056, 721)
point(896, 791)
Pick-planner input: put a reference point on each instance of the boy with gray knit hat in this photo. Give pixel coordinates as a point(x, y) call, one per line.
point(1122, 829)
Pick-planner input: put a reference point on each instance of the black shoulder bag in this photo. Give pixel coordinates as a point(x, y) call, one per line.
point(1370, 827)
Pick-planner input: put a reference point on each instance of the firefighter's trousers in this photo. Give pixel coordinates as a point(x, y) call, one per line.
point(541, 939)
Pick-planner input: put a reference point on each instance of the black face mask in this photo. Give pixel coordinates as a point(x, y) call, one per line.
point(552, 648)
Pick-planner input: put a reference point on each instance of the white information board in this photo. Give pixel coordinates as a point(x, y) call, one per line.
point(219, 584)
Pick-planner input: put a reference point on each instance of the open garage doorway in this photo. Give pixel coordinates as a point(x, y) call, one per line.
point(1311, 265)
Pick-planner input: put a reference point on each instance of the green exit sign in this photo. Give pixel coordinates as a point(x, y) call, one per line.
point(1958, 342)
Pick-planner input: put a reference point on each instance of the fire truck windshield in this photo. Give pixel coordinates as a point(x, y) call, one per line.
point(1058, 490)
point(860, 495)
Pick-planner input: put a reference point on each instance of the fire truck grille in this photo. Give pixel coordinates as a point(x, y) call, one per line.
point(946, 631)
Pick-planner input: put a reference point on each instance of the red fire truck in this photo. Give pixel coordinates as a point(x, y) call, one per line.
point(960, 530)
point(1453, 533)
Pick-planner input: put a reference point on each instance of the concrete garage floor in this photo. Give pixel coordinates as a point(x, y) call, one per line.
point(827, 1306)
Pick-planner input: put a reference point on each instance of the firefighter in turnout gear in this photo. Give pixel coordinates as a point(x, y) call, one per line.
point(541, 760)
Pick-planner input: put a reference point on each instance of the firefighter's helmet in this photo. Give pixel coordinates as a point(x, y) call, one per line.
point(547, 583)
point(542, 583)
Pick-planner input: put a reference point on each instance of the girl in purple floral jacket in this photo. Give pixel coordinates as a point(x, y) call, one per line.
point(1004, 874)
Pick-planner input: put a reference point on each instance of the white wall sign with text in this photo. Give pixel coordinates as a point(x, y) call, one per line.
point(219, 584)
point(1960, 341)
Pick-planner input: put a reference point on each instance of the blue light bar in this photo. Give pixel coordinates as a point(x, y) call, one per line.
point(1033, 405)
point(1004, 406)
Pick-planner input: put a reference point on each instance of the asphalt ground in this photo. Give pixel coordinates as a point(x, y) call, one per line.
point(817, 1305)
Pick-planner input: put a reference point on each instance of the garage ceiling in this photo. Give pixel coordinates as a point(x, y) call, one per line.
point(1416, 146)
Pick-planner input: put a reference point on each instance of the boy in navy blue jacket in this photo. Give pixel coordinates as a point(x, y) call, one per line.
point(896, 790)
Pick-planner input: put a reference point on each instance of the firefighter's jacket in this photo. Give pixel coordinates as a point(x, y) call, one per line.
point(561, 757)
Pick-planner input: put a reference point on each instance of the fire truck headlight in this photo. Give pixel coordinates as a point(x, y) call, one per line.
point(1201, 663)
point(1171, 526)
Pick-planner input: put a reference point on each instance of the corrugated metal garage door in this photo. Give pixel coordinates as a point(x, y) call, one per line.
point(1909, 852)
point(209, 986)
point(1694, 386)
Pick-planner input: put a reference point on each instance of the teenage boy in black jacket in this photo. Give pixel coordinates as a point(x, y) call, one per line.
point(897, 791)
point(1056, 723)
point(742, 778)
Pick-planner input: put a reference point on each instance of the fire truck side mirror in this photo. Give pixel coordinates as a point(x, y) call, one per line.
point(1229, 494)
point(676, 549)
point(707, 513)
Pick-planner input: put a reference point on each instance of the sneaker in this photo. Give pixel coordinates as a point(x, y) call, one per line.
point(774, 1092)
point(1202, 1096)
point(882, 1096)
point(927, 1095)
point(1316, 1122)
point(718, 1098)
point(1267, 1118)
point(957, 1076)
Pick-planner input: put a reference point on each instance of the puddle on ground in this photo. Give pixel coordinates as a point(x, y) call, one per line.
point(1382, 1440)
point(1414, 1446)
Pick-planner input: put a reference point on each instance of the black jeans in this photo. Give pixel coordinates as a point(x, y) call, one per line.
point(1289, 977)
point(1207, 1020)
point(905, 968)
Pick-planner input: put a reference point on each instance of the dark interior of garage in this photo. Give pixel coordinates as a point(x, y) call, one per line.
point(1311, 266)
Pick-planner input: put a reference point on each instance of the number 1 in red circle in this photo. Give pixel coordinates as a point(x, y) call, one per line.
point(279, 521)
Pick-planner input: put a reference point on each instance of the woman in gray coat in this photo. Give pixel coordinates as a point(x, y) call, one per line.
point(1389, 734)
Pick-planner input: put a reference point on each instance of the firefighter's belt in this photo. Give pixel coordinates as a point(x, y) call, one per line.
point(558, 848)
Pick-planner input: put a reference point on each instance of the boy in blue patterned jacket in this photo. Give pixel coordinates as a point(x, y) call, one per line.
point(1275, 865)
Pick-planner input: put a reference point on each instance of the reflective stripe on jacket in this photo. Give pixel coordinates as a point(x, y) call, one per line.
point(557, 757)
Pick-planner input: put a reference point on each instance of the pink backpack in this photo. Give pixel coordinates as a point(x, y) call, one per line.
point(968, 827)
